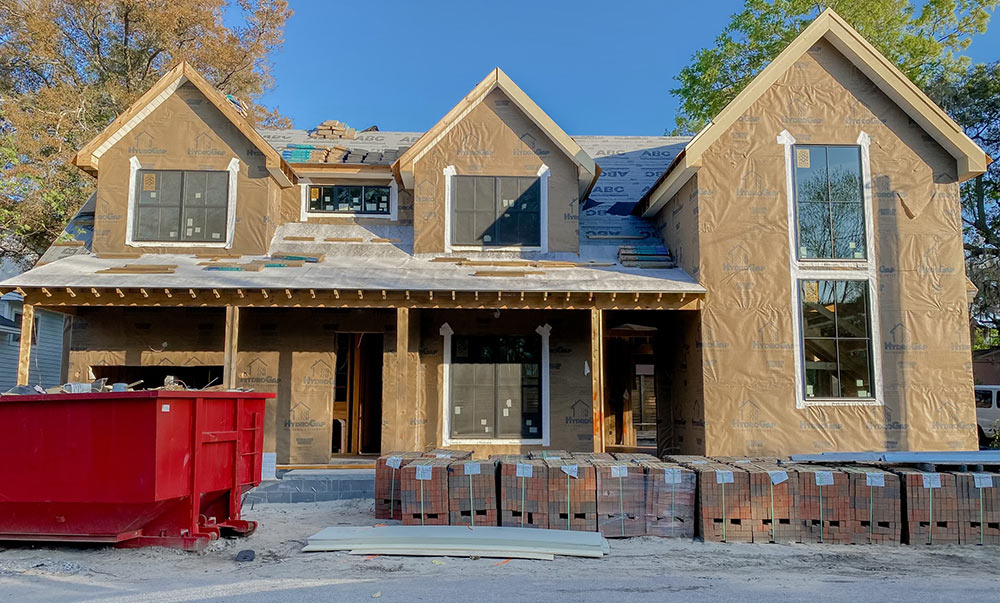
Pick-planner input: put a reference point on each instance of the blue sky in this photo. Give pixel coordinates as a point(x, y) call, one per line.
point(594, 67)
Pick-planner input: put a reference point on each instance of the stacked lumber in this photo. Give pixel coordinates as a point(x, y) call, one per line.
point(670, 498)
point(774, 515)
point(387, 484)
point(978, 507)
point(448, 453)
point(332, 128)
point(824, 502)
point(472, 493)
point(645, 256)
point(931, 503)
point(524, 492)
point(572, 495)
point(621, 498)
point(876, 506)
point(635, 457)
point(549, 454)
point(723, 502)
point(424, 496)
point(308, 153)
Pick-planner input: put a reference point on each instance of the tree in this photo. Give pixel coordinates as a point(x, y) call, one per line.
point(923, 39)
point(973, 100)
point(69, 67)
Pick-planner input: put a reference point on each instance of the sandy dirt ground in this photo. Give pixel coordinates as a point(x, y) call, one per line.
point(637, 569)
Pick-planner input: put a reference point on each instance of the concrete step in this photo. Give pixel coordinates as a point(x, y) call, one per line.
point(311, 485)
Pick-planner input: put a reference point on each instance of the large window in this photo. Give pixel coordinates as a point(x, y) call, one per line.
point(829, 203)
point(496, 211)
point(173, 205)
point(836, 339)
point(496, 387)
point(349, 199)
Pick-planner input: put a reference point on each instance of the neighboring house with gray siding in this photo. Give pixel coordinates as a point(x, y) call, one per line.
point(51, 336)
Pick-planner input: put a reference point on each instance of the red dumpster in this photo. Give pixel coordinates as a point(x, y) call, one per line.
point(145, 468)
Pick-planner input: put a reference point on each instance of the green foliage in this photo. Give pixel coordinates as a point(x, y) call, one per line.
point(924, 39)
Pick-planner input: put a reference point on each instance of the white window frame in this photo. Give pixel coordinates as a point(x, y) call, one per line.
point(543, 218)
point(812, 269)
point(305, 214)
point(446, 439)
point(133, 169)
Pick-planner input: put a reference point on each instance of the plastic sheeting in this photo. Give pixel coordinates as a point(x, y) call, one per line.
point(747, 341)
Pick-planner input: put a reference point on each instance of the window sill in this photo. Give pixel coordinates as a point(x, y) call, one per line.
point(219, 245)
point(494, 442)
point(807, 402)
point(497, 248)
point(834, 264)
point(346, 214)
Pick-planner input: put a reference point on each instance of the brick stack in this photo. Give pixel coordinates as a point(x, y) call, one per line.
point(549, 454)
point(824, 504)
point(572, 499)
point(876, 506)
point(387, 484)
point(773, 511)
point(687, 460)
point(472, 493)
point(978, 507)
point(524, 492)
point(634, 457)
point(621, 498)
point(425, 492)
point(590, 456)
point(931, 503)
point(723, 502)
point(670, 496)
point(447, 453)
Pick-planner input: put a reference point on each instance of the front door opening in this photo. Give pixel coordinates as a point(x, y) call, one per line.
point(630, 377)
point(357, 402)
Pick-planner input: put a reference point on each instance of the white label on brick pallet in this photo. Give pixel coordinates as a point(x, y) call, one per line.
point(571, 470)
point(394, 462)
point(778, 477)
point(424, 472)
point(699, 462)
point(619, 471)
point(983, 480)
point(472, 469)
point(875, 479)
point(672, 475)
point(443, 455)
point(723, 477)
point(824, 478)
point(523, 470)
point(932, 480)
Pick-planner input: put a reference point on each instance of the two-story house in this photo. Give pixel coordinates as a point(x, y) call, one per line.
point(789, 280)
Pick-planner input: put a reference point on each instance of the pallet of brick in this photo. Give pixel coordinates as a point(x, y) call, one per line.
point(572, 495)
point(773, 511)
point(670, 499)
point(472, 493)
point(723, 509)
point(688, 460)
point(524, 492)
point(876, 505)
point(621, 498)
point(931, 503)
point(634, 457)
point(590, 456)
point(424, 498)
point(387, 483)
point(549, 454)
point(823, 504)
point(978, 507)
point(447, 453)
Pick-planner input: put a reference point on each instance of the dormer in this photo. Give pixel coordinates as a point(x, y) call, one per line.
point(496, 173)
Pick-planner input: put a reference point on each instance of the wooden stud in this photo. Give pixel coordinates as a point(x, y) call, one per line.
point(614, 294)
point(545, 296)
point(193, 294)
point(407, 293)
point(240, 293)
point(70, 291)
point(597, 375)
point(361, 294)
point(636, 297)
point(215, 292)
point(95, 292)
point(567, 295)
point(590, 296)
point(499, 295)
point(431, 296)
point(264, 293)
point(383, 293)
point(452, 296)
point(522, 295)
point(477, 295)
point(336, 294)
point(288, 294)
point(229, 355)
point(312, 294)
point(144, 293)
point(24, 350)
point(659, 296)
point(46, 292)
point(120, 292)
point(168, 293)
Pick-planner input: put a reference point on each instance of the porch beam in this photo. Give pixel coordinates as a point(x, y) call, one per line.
point(402, 366)
point(24, 352)
point(230, 349)
point(597, 375)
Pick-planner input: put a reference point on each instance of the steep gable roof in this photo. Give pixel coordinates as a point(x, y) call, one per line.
point(971, 159)
point(403, 167)
point(88, 158)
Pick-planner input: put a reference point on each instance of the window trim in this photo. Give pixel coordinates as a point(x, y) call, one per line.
point(866, 210)
point(305, 213)
point(824, 269)
point(447, 440)
point(543, 216)
point(134, 166)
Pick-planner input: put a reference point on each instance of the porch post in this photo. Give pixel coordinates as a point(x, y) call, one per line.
point(229, 374)
point(24, 353)
point(597, 375)
point(402, 372)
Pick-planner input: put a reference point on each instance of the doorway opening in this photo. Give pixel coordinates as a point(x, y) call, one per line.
point(630, 377)
point(357, 400)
